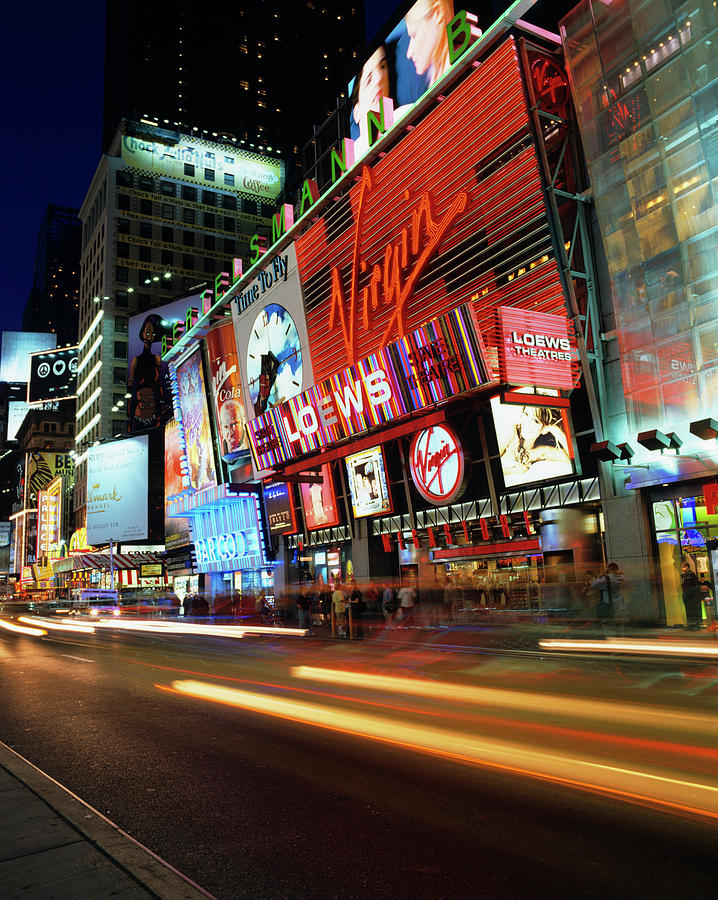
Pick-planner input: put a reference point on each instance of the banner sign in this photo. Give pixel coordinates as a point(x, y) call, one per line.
point(534, 348)
point(437, 464)
point(436, 362)
point(53, 375)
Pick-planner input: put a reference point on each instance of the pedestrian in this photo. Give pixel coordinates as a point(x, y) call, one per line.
point(610, 585)
point(693, 597)
point(339, 602)
point(388, 602)
point(304, 607)
point(407, 602)
point(358, 608)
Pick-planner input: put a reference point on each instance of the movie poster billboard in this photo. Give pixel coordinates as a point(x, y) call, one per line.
point(279, 508)
point(53, 375)
point(196, 431)
point(410, 60)
point(368, 484)
point(150, 401)
point(534, 442)
point(176, 529)
point(225, 379)
point(117, 490)
point(42, 467)
point(320, 502)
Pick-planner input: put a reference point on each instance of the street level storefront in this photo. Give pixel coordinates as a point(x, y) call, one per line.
point(109, 571)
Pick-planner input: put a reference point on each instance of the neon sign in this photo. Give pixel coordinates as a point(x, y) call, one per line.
point(534, 348)
point(226, 547)
point(437, 464)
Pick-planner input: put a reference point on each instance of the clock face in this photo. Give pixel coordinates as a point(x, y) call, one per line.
point(274, 359)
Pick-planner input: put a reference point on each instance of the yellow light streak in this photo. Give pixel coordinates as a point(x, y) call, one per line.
point(21, 629)
point(624, 645)
point(656, 789)
point(523, 701)
point(58, 626)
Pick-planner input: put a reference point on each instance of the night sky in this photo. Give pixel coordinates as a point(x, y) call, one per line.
point(52, 61)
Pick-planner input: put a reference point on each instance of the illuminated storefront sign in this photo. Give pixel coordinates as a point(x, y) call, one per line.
point(535, 349)
point(226, 547)
point(436, 362)
point(226, 531)
point(437, 464)
point(414, 238)
point(49, 519)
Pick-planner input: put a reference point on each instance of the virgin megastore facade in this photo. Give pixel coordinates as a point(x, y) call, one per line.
point(415, 374)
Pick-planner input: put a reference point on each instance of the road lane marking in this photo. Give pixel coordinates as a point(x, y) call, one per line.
point(80, 658)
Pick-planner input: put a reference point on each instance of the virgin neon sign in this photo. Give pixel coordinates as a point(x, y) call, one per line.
point(437, 464)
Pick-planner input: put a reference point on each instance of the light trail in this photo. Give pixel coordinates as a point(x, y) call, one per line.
point(624, 645)
point(523, 701)
point(21, 629)
point(629, 784)
point(58, 626)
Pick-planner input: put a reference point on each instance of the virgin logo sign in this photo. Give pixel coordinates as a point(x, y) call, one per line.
point(437, 464)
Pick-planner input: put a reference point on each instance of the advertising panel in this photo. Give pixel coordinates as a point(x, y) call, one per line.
point(412, 58)
point(117, 490)
point(440, 360)
point(534, 348)
point(53, 375)
point(42, 467)
point(437, 464)
point(271, 332)
point(230, 167)
point(49, 519)
point(319, 502)
point(414, 237)
point(16, 412)
point(534, 442)
point(225, 378)
point(228, 537)
point(148, 376)
point(279, 508)
point(176, 529)
point(368, 483)
point(194, 422)
point(15, 353)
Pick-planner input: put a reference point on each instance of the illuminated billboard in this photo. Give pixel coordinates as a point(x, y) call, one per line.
point(279, 508)
point(193, 420)
point(208, 164)
point(53, 375)
point(15, 353)
point(16, 412)
point(414, 237)
point(49, 519)
point(225, 379)
point(412, 58)
point(436, 362)
point(368, 484)
point(176, 529)
point(42, 467)
point(148, 382)
point(319, 501)
point(117, 490)
point(535, 349)
point(534, 442)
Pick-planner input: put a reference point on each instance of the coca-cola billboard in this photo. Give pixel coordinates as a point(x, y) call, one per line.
point(224, 374)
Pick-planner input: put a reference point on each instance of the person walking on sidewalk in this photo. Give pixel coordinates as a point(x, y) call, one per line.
point(339, 602)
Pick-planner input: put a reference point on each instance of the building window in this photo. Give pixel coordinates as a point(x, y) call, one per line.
point(228, 247)
point(145, 230)
point(229, 202)
point(123, 179)
point(209, 220)
point(122, 299)
point(123, 201)
point(229, 179)
point(229, 160)
point(209, 174)
point(146, 207)
point(120, 350)
point(187, 261)
point(121, 274)
point(209, 197)
point(143, 302)
point(123, 226)
point(188, 216)
point(229, 224)
point(167, 234)
point(119, 426)
point(189, 169)
point(166, 257)
point(209, 265)
point(189, 192)
point(146, 183)
point(120, 325)
point(167, 188)
point(188, 238)
point(168, 212)
point(123, 250)
point(145, 254)
point(208, 242)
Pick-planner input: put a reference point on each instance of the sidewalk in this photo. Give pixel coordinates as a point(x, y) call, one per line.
point(53, 846)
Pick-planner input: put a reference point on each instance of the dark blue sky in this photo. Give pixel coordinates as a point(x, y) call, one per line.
point(52, 77)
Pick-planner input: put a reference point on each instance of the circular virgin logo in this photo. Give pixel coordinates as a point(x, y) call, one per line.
point(437, 464)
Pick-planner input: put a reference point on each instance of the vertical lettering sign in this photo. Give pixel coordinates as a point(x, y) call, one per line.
point(535, 349)
point(415, 237)
point(43, 524)
point(437, 361)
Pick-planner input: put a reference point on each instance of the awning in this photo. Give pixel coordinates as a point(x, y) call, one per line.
point(101, 561)
point(131, 578)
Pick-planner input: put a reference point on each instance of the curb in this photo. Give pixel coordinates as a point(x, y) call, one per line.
point(150, 870)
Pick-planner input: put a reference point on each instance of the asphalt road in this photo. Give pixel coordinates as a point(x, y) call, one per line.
point(254, 803)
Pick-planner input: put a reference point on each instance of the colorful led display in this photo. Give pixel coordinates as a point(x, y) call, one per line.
point(193, 420)
point(368, 484)
point(279, 508)
point(176, 529)
point(438, 361)
point(415, 237)
point(319, 502)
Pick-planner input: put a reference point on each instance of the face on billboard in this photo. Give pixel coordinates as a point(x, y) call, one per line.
point(227, 390)
point(367, 483)
point(192, 398)
point(319, 502)
point(117, 491)
point(148, 375)
point(534, 442)
point(413, 57)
